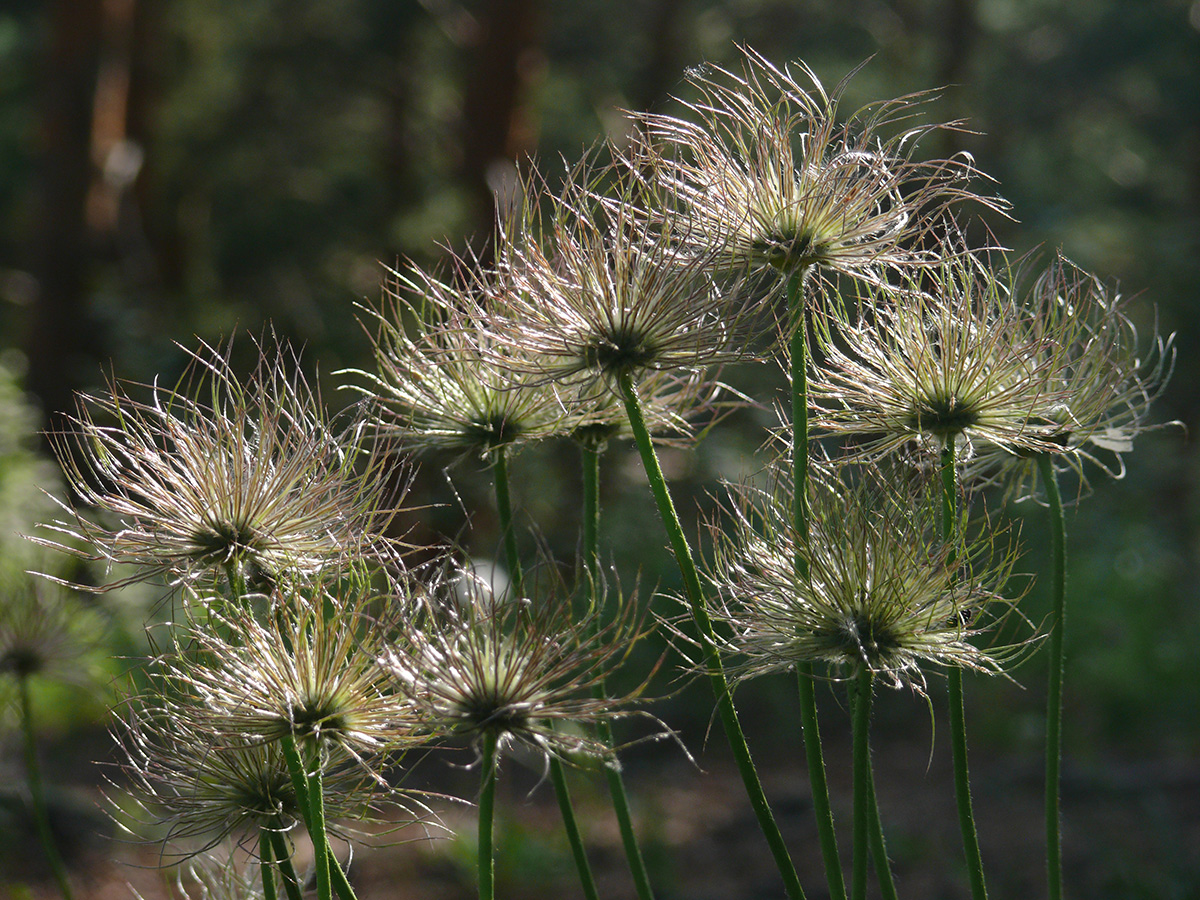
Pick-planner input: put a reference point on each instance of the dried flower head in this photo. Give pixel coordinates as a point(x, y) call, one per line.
point(769, 174)
point(44, 631)
point(519, 670)
point(1100, 386)
point(253, 480)
point(872, 586)
point(956, 356)
point(606, 292)
point(442, 389)
point(194, 789)
point(306, 668)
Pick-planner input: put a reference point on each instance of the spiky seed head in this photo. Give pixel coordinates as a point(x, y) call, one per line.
point(519, 670)
point(44, 631)
point(441, 388)
point(873, 586)
point(765, 168)
point(193, 789)
point(603, 291)
point(1101, 381)
point(956, 354)
point(305, 668)
point(215, 476)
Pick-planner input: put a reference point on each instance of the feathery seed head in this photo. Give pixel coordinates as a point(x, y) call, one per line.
point(253, 480)
point(605, 291)
point(445, 388)
point(768, 173)
point(1101, 383)
point(956, 355)
point(518, 670)
point(873, 585)
point(305, 669)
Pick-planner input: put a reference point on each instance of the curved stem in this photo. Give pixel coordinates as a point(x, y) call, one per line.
point(716, 671)
point(283, 861)
point(487, 813)
point(1054, 685)
point(954, 680)
point(504, 506)
point(590, 458)
point(37, 797)
point(264, 866)
point(574, 838)
point(558, 777)
point(883, 866)
point(813, 753)
point(612, 770)
point(861, 690)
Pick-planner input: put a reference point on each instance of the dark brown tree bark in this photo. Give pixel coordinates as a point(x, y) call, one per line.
point(60, 340)
point(499, 124)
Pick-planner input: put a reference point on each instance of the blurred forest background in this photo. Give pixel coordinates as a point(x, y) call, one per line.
point(174, 169)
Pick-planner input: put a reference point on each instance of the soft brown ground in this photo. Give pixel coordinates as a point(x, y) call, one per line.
point(1132, 831)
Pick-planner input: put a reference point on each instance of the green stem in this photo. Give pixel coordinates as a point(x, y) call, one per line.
point(309, 786)
point(574, 838)
point(283, 861)
point(861, 690)
point(813, 753)
point(37, 797)
point(958, 721)
point(883, 866)
point(799, 374)
point(1054, 686)
point(591, 513)
point(716, 671)
point(504, 506)
point(558, 777)
point(815, 759)
point(612, 769)
point(264, 866)
point(487, 813)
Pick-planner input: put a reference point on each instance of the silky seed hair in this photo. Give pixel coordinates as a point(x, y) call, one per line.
point(764, 167)
point(521, 669)
point(439, 384)
point(219, 477)
point(872, 586)
point(604, 292)
point(955, 354)
point(1104, 382)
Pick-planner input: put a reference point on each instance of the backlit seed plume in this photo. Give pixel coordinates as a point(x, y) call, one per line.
point(873, 586)
point(194, 789)
point(603, 291)
point(45, 631)
point(218, 476)
point(305, 668)
point(521, 670)
point(956, 355)
point(765, 168)
point(441, 389)
point(1101, 383)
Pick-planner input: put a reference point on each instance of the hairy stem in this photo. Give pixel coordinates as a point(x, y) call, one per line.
point(612, 770)
point(813, 753)
point(716, 671)
point(487, 815)
point(574, 838)
point(504, 506)
point(37, 796)
point(883, 866)
point(265, 870)
point(1054, 684)
point(861, 705)
point(954, 681)
point(283, 862)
